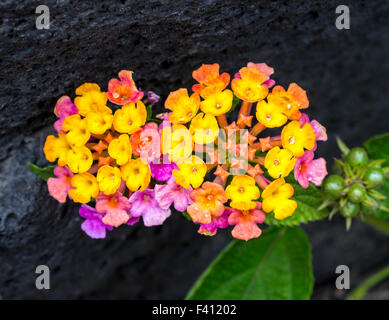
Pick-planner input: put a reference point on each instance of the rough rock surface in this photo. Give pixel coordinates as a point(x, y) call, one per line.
point(346, 73)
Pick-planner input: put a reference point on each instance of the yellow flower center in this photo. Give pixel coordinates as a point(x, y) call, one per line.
point(218, 106)
point(268, 117)
point(210, 197)
point(130, 122)
point(194, 170)
point(291, 139)
point(116, 95)
point(124, 98)
point(276, 162)
point(241, 189)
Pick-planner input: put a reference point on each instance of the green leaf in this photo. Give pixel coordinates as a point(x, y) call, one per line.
point(275, 266)
point(186, 215)
point(378, 148)
point(308, 202)
point(43, 173)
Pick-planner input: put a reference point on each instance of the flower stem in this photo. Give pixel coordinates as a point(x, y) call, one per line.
point(245, 109)
point(257, 129)
point(370, 282)
point(261, 181)
point(379, 224)
point(260, 160)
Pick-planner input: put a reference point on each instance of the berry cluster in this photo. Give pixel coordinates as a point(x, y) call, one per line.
point(353, 190)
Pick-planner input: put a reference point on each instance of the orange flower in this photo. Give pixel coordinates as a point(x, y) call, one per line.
point(248, 86)
point(210, 81)
point(208, 203)
point(290, 101)
point(123, 91)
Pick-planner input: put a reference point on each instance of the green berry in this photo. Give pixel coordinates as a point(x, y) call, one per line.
point(333, 185)
point(370, 209)
point(350, 209)
point(356, 193)
point(374, 177)
point(357, 157)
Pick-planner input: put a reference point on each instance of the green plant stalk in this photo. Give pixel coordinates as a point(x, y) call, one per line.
point(360, 291)
point(379, 224)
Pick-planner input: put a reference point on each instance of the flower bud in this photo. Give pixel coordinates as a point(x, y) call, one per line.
point(374, 177)
point(350, 209)
point(356, 193)
point(357, 157)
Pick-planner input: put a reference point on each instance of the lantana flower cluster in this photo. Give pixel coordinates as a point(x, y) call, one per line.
point(121, 164)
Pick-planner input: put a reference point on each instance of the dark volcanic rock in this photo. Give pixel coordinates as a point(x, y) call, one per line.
point(346, 73)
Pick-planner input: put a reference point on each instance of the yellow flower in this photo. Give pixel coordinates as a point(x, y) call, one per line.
point(79, 159)
point(130, 118)
point(78, 133)
point(279, 162)
point(177, 142)
point(183, 107)
point(85, 187)
point(295, 138)
point(242, 191)
point(276, 198)
point(137, 174)
point(120, 149)
point(191, 172)
point(91, 99)
point(57, 148)
point(218, 103)
point(249, 86)
point(98, 122)
point(204, 128)
point(109, 179)
point(270, 114)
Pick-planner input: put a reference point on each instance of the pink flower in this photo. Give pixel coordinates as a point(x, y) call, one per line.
point(144, 204)
point(308, 170)
point(59, 187)
point(165, 121)
point(115, 207)
point(162, 171)
point(245, 222)
point(172, 193)
point(123, 91)
point(63, 108)
point(217, 222)
point(93, 226)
